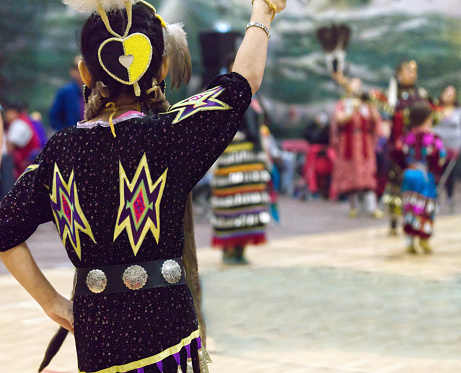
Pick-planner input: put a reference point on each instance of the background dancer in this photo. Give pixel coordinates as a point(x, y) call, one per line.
point(353, 133)
point(240, 199)
point(403, 92)
point(423, 154)
point(449, 130)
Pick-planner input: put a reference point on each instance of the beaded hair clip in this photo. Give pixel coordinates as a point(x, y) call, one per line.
point(125, 57)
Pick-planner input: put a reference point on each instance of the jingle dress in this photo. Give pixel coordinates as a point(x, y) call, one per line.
point(240, 198)
point(122, 200)
point(423, 154)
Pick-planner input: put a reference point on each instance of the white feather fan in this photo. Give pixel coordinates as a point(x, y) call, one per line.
point(88, 6)
point(177, 50)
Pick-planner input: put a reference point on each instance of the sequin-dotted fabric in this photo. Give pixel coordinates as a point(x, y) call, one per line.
point(81, 166)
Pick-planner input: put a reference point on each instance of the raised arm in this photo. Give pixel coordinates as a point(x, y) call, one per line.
point(251, 56)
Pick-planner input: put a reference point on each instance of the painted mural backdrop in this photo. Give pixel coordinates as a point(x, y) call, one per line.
point(39, 39)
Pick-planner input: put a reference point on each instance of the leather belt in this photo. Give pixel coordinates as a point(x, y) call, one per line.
point(129, 277)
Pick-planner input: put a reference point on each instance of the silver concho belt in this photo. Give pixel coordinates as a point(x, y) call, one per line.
point(129, 277)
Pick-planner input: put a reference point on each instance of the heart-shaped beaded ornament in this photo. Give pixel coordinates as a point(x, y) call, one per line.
point(126, 59)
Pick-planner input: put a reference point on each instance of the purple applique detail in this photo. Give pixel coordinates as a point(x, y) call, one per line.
point(177, 358)
point(201, 102)
point(67, 212)
point(188, 351)
point(160, 366)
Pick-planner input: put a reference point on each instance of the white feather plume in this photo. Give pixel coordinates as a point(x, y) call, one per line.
point(89, 6)
point(177, 50)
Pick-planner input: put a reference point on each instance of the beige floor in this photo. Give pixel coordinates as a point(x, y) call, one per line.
point(273, 337)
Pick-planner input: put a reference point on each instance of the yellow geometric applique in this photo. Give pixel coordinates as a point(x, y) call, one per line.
point(67, 212)
point(202, 102)
point(139, 209)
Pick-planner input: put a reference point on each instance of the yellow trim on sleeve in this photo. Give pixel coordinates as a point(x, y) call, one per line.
point(32, 167)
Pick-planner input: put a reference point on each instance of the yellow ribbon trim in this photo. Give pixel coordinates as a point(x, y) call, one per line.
point(32, 167)
point(148, 5)
point(239, 147)
point(137, 89)
point(162, 22)
point(105, 19)
point(129, 14)
point(151, 359)
point(111, 106)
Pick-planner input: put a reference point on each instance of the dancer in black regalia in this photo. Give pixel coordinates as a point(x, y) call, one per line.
point(116, 187)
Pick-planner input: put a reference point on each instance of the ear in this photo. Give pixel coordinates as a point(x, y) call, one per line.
point(164, 67)
point(84, 73)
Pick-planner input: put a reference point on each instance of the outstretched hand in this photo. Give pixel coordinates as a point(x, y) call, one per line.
point(60, 310)
point(280, 4)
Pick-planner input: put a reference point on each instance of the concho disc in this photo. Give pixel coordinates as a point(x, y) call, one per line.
point(135, 277)
point(96, 281)
point(171, 271)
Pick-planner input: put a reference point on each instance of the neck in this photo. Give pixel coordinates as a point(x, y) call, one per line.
point(124, 100)
point(122, 104)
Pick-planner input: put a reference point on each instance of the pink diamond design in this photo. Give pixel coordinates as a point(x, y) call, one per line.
point(139, 206)
point(66, 208)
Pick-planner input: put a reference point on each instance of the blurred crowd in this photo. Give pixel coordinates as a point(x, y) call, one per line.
point(24, 134)
point(385, 152)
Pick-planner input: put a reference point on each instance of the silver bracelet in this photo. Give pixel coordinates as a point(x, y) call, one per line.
point(260, 25)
